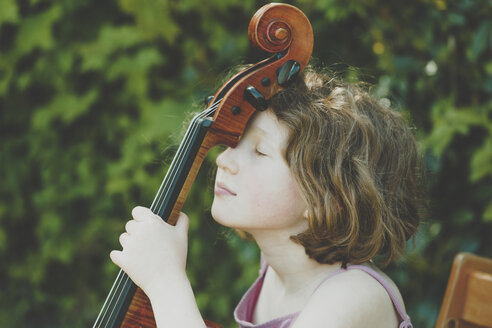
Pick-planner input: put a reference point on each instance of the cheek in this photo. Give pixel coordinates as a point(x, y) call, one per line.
point(292, 198)
point(275, 194)
point(262, 189)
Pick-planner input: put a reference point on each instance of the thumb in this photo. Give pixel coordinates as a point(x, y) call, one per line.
point(116, 257)
point(183, 223)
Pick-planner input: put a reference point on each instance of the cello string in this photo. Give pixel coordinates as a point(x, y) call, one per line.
point(118, 288)
point(178, 158)
point(123, 279)
point(103, 312)
point(123, 283)
point(110, 315)
point(206, 112)
point(163, 193)
point(172, 176)
point(158, 202)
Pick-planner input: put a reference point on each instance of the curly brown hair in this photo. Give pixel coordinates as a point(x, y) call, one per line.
point(357, 164)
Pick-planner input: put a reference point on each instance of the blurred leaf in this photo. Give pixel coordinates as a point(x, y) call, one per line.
point(6, 73)
point(481, 162)
point(153, 18)
point(3, 240)
point(135, 69)
point(487, 215)
point(66, 107)
point(92, 100)
point(449, 121)
point(480, 40)
point(488, 65)
point(462, 217)
point(111, 39)
point(36, 31)
point(8, 11)
point(336, 10)
point(487, 85)
point(456, 19)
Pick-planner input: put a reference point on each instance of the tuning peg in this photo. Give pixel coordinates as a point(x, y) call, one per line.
point(288, 72)
point(255, 98)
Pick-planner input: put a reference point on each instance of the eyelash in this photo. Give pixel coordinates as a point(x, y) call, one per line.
point(259, 152)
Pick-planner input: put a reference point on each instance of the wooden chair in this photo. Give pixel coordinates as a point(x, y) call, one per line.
point(468, 299)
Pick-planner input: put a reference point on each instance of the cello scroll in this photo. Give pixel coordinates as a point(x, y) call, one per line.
point(279, 29)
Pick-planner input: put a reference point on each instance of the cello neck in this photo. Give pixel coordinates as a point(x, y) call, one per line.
point(167, 204)
point(182, 172)
point(279, 29)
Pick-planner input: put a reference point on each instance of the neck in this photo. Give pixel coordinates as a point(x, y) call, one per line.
point(291, 267)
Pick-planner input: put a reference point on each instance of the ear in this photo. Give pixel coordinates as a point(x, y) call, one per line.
point(306, 214)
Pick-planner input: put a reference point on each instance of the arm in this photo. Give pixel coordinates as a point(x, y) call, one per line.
point(174, 304)
point(154, 256)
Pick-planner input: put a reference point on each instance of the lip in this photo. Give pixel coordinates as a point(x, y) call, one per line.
point(222, 190)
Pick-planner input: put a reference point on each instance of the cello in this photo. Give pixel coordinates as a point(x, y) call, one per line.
point(279, 29)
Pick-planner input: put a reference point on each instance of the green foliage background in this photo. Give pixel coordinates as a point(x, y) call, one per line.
point(92, 99)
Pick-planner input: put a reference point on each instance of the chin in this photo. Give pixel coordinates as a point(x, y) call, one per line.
point(223, 217)
point(224, 223)
point(217, 215)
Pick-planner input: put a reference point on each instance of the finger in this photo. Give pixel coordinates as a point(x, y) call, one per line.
point(116, 257)
point(183, 223)
point(124, 239)
point(141, 213)
point(131, 226)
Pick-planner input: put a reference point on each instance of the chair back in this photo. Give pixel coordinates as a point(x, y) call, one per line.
point(468, 298)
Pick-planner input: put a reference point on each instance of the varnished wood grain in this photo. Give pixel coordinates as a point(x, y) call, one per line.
point(274, 28)
point(140, 314)
point(262, 30)
point(468, 299)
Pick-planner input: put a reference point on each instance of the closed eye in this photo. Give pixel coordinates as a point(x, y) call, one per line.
point(259, 153)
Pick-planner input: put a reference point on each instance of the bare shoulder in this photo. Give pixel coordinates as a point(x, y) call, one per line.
point(348, 300)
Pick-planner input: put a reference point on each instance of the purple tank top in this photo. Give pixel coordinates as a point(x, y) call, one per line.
point(243, 314)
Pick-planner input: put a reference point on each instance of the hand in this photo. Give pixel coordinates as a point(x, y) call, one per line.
point(154, 252)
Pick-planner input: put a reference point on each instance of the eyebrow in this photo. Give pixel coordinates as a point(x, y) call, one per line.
point(264, 134)
point(261, 131)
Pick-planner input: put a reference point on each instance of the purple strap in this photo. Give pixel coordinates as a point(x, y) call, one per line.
point(246, 306)
point(263, 265)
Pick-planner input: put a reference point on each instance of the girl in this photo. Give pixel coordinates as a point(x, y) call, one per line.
point(324, 181)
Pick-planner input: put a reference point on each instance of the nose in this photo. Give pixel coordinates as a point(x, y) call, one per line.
point(226, 161)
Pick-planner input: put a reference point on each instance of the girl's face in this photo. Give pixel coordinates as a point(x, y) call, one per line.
point(254, 189)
